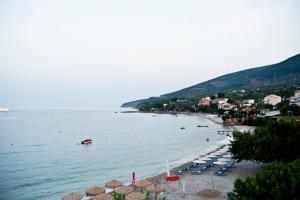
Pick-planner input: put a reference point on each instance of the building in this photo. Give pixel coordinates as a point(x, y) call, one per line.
point(225, 106)
point(272, 114)
point(248, 102)
point(204, 101)
point(296, 98)
point(272, 99)
point(219, 101)
point(222, 103)
point(264, 111)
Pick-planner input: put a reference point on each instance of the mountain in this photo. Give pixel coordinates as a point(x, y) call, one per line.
point(285, 72)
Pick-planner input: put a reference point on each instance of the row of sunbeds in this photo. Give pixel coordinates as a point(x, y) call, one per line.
point(196, 170)
point(224, 168)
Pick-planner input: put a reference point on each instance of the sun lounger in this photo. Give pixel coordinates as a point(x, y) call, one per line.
point(202, 169)
point(219, 172)
point(188, 168)
point(197, 172)
point(228, 166)
point(179, 172)
point(194, 165)
point(223, 169)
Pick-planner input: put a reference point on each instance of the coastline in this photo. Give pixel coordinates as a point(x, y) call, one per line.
point(174, 188)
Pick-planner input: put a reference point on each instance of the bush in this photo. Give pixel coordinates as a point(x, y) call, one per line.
point(280, 181)
point(276, 141)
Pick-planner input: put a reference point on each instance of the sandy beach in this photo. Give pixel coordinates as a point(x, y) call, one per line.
point(195, 184)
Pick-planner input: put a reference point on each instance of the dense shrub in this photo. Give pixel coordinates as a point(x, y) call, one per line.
point(276, 182)
point(276, 141)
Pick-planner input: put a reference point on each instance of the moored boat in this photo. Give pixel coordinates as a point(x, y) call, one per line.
point(4, 109)
point(202, 126)
point(86, 141)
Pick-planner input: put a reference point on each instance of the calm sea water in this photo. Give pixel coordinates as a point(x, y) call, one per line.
point(41, 158)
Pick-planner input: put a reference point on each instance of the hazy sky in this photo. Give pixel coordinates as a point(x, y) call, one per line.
point(103, 53)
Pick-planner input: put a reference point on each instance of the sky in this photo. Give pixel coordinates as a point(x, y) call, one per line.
point(100, 54)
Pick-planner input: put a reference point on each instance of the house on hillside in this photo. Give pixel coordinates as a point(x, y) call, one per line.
point(222, 103)
point(272, 114)
point(247, 102)
point(225, 106)
point(219, 101)
point(264, 111)
point(272, 99)
point(204, 101)
point(296, 98)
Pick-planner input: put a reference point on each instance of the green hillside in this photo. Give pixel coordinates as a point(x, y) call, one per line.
point(285, 72)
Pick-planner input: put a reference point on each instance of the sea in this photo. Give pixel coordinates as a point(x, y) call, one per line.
point(41, 156)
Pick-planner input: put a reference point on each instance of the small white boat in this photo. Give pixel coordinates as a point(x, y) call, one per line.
point(4, 109)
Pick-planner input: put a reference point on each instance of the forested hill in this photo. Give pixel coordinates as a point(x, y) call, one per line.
point(285, 72)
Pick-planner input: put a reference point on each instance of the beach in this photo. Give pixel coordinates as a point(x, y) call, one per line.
point(207, 185)
point(197, 187)
point(195, 184)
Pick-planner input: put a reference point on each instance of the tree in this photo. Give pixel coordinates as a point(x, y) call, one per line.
point(231, 101)
point(174, 99)
point(284, 110)
point(221, 95)
point(294, 109)
point(276, 182)
point(268, 143)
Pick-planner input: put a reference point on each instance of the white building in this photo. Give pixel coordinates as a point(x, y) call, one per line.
point(225, 106)
point(248, 102)
point(296, 98)
point(272, 113)
point(272, 99)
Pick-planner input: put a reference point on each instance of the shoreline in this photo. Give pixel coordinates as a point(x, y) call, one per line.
point(209, 116)
point(247, 168)
point(159, 177)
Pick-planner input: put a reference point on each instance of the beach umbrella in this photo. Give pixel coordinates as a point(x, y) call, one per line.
point(220, 163)
point(135, 196)
point(142, 184)
point(211, 156)
point(93, 191)
point(113, 184)
point(217, 153)
point(124, 190)
point(103, 196)
point(227, 156)
point(206, 158)
point(199, 161)
point(72, 196)
point(224, 159)
point(154, 188)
